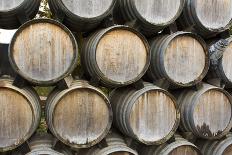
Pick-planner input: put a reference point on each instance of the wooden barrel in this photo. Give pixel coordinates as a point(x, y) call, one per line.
point(43, 51)
point(81, 15)
point(20, 114)
point(207, 112)
point(181, 59)
point(43, 144)
point(218, 147)
point(12, 11)
point(220, 61)
point(207, 17)
point(115, 145)
point(80, 116)
point(149, 115)
point(178, 147)
point(116, 56)
point(148, 16)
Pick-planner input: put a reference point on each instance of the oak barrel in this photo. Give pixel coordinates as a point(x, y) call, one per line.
point(217, 147)
point(12, 11)
point(115, 145)
point(116, 56)
point(206, 112)
point(148, 16)
point(43, 51)
point(220, 61)
point(80, 116)
point(20, 114)
point(207, 17)
point(179, 146)
point(149, 115)
point(182, 59)
point(82, 15)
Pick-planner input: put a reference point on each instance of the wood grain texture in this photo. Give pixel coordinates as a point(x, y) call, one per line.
point(158, 11)
point(184, 59)
point(227, 63)
point(88, 8)
point(184, 150)
point(121, 55)
point(120, 153)
point(16, 117)
point(81, 116)
point(212, 110)
point(43, 51)
point(228, 150)
point(153, 116)
point(214, 14)
point(9, 4)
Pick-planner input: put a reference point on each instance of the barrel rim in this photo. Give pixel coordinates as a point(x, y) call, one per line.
point(63, 93)
point(207, 59)
point(178, 13)
point(195, 102)
point(114, 148)
point(143, 39)
point(53, 81)
point(6, 83)
point(105, 14)
point(140, 92)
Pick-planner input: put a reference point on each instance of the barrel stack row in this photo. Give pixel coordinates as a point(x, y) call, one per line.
point(165, 64)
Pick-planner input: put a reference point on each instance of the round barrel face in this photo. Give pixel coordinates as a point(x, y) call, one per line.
point(228, 150)
point(153, 116)
point(184, 150)
point(212, 113)
point(43, 52)
point(121, 55)
point(16, 118)
point(88, 8)
point(81, 117)
point(121, 153)
point(158, 11)
point(214, 14)
point(184, 59)
point(227, 63)
point(9, 4)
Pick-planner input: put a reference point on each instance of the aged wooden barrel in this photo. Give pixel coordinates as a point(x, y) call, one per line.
point(207, 112)
point(43, 51)
point(12, 11)
point(82, 15)
point(116, 56)
point(178, 147)
point(207, 17)
point(217, 147)
point(43, 144)
point(149, 115)
point(115, 145)
point(220, 61)
point(181, 59)
point(80, 116)
point(20, 114)
point(147, 15)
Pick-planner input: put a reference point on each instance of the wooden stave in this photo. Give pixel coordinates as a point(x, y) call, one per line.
point(53, 99)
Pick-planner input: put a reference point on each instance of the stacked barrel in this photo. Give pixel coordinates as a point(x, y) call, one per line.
point(154, 77)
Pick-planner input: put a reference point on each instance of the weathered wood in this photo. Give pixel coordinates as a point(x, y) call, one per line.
point(43, 52)
point(218, 147)
point(11, 10)
point(82, 15)
point(79, 116)
point(119, 56)
point(206, 112)
point(151, 16)
point(207, 17)
point(180, 58)
point(149, 115)
point(20, 114)
point(178, 147)
point(115, 146)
